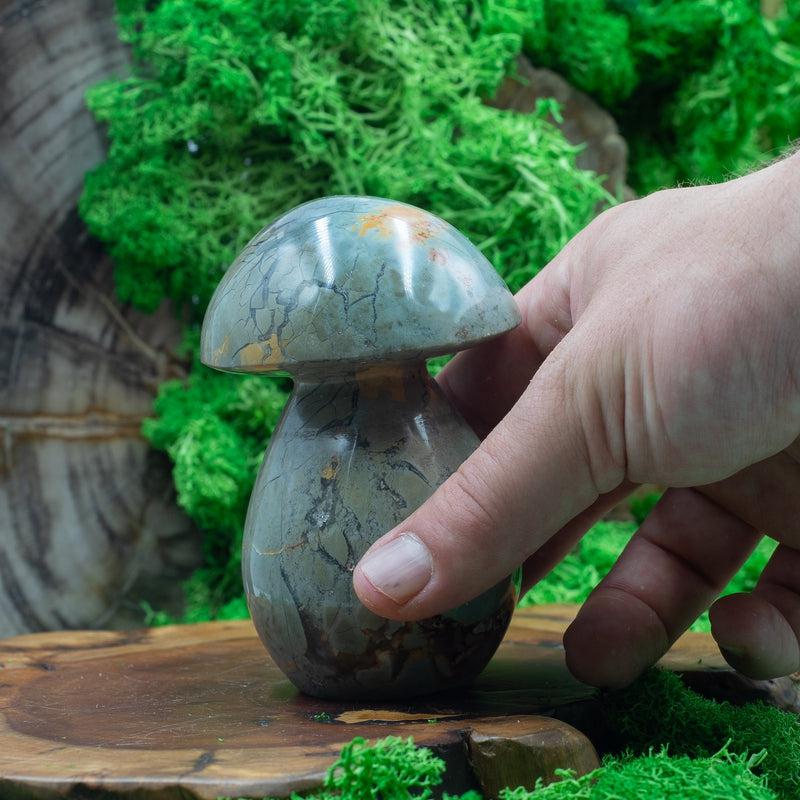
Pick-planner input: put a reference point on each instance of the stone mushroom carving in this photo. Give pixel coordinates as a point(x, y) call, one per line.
point(350, 295)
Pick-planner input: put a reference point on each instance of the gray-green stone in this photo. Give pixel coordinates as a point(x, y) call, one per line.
point(351, 294)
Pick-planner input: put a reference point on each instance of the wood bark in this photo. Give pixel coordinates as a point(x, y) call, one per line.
point(88, 521)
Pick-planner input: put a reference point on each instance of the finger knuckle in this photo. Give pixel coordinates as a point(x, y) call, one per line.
point(599, 412)
point(470, 500)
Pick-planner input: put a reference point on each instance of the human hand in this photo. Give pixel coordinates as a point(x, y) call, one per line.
point(662, 345)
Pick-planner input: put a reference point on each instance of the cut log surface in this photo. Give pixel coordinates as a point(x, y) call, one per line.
point(87, 512)
point(201, 711)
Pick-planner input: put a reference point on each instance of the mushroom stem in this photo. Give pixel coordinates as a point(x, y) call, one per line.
point(375, 412)
point(355, 453)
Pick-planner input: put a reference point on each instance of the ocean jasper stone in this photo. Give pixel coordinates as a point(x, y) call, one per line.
point(351, 295)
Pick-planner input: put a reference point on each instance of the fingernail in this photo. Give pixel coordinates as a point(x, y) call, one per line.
point(399, 569)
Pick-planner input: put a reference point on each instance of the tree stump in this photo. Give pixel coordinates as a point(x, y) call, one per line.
point(201, 711)
point(87, 514)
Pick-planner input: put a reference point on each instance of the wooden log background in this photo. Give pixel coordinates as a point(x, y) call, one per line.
point(88, 521)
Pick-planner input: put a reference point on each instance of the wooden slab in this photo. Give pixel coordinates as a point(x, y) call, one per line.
point(201, 711)
point(89, 525)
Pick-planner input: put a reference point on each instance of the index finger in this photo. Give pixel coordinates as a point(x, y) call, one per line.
point(484, 382)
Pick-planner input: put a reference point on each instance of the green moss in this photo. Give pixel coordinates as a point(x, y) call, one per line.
point(212, 474)
point(238, 110)
point(702, 89)
point(660, 711)
point(394, 769)
point(641, 505)
point(659, 776)
point(572, 580)
point(781, 116)
point(588, 43)
point(525, 17)
point(714, 97)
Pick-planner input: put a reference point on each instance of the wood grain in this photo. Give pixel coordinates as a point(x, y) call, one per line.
point(200, 711)
point(88, 521)
point(519, 750)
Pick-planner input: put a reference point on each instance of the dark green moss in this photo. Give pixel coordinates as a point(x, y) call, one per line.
point(702, 90)
point(659, 711)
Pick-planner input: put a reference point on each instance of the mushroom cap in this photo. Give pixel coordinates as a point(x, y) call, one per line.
point(353, 280)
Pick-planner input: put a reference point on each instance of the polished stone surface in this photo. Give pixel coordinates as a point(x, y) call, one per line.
point(350, 295)
point(356, 279)
point(353, 456)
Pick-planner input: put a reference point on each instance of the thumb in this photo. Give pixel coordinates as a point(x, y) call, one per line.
point(531, 475)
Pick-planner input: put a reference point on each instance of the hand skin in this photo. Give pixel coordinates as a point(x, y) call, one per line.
point(662, 345)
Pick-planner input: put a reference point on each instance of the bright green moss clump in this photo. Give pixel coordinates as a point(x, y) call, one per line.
point(588, 43)
point(782, 115)
point(658, 710)
point(701, 88)
point(659, 776)
point(392, 769)
point(237, 110)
